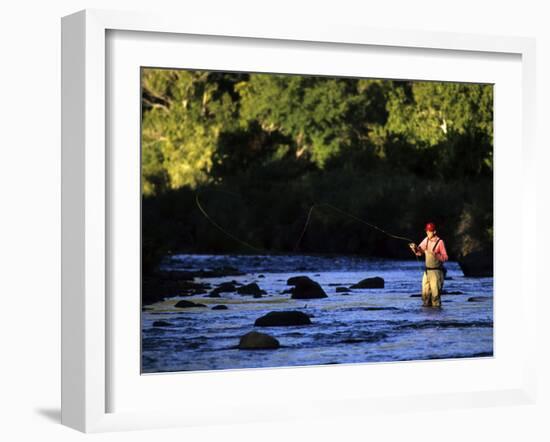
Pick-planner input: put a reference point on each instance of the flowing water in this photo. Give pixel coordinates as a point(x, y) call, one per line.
point(364, 325)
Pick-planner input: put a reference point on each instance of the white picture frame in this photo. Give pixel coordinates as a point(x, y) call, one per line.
point(87, 354)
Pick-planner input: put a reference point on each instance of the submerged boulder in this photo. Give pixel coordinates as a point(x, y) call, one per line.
point(477, 264)
point(283, 318)
point(258, 341)
point(305, 288)
point(342, 289)
point(369, 283)
point(226, 287)
point(161, 324)
point(478, 298)
point(188, 304)
point(251, 289)
point(219, 307)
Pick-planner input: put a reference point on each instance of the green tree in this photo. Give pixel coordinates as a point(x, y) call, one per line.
point(455, 118)
point(183, 113)
point(312, 111)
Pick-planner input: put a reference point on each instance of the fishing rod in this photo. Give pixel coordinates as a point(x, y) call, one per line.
point(257, 249)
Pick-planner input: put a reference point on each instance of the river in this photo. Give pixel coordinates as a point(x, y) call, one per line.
point(363, 325)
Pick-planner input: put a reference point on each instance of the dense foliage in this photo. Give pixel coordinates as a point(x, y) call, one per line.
point(261, 149)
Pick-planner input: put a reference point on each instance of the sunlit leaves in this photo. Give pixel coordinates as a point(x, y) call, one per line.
point(180, 126)
point(436, 111)
point(199, 123)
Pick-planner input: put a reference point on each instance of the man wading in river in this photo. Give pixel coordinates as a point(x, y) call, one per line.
point(433, 248)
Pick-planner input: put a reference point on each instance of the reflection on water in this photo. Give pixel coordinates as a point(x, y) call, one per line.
point(363, 325)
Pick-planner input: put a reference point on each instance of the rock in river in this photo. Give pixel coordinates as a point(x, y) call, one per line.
point(283, 318)
point(305, 288)
point(251, 289)
point(258, 341)
point(188, 304)
point(369, 283)
point(161, 324)
point(477, 264)
point(478, 298)
point(342, 289)
point(226, 287)
point(220, 307)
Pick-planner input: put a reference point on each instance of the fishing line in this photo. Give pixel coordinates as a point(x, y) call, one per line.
point(257, 249)
point(351, 216)
point(391, 235)
point(215, 224)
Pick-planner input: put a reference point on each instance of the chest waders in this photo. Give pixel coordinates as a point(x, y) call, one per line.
point(432, 279)
point(432, 263)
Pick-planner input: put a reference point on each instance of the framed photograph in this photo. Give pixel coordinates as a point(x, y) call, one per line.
point(264, 222)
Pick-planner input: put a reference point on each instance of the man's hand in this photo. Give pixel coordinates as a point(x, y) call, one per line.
point(413, 247)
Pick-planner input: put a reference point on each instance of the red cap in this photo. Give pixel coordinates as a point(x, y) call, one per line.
point(430, 227)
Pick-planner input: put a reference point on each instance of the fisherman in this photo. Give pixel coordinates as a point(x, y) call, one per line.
point(433, 248)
